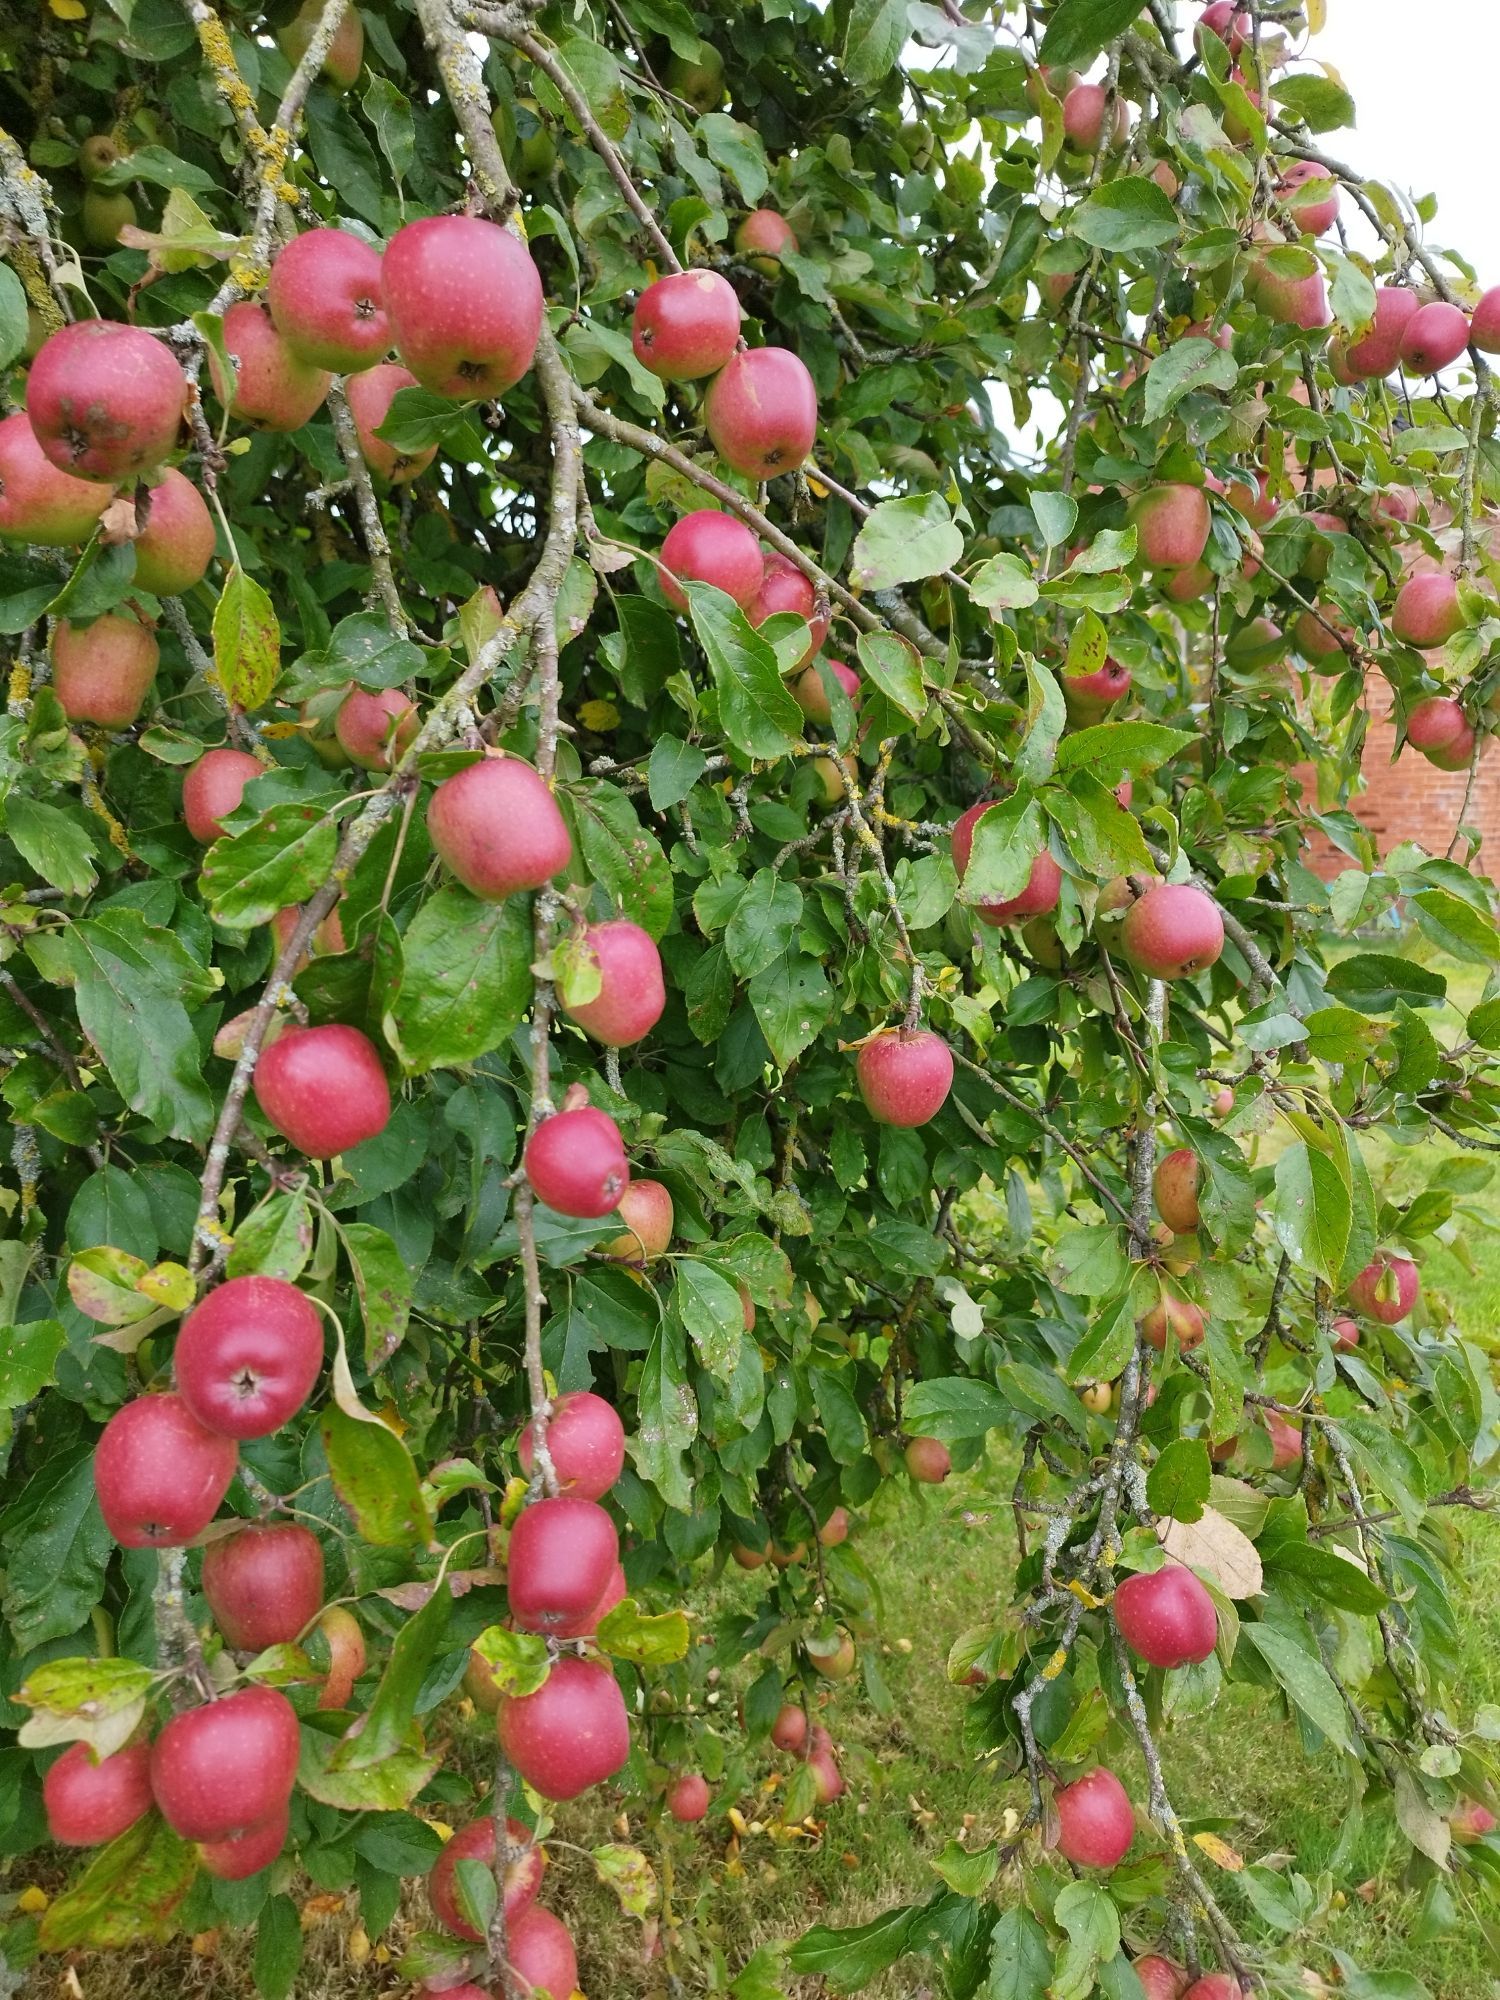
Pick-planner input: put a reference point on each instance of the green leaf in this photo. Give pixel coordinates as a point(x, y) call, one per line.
point(764, 923)
point(128, 1894)
point(667, 1417)
point(278, 1948)
point(873, 38)
point(839, 1413)
point(1104, 1350)
point(384, 1787)
point(1373, 981)
point(1456, 927)
point(1003, 583)
point(793, 1002)
point(13, 321)
point(275, 1239)
point(518, 1661)
point(1186, 366)
point(1079, 29)
point(1131, 213)
point(1020, 1958)
point(851, 1959)
point(1088, 1260)
point(1178, 1483)
point(389, 1724)
point(966, 1873)
point(1313, 1211)
point(1055, 514)
point(1318, 102)
point(650, 1640)
point(57, 1548)
point(1111, 751)
point(374, 1477)
point(395, 129)
point(712, 1313)
point(954, 1408)
point(384, 1285)
point(674, 769)
point(465, 982)
point(904, 540)
point(1092, 1923)
point(1304, 1680)
point(247, 641)
point(53, 843)
point(895, 667)
point(288, 853)
point(757, 712)
point(28, 1356)
point(738, 150)
point(1007, 840)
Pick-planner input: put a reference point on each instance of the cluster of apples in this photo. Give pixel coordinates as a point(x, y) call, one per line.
point(793, 1732)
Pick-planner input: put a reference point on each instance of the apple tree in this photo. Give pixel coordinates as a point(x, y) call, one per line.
point(669, 683)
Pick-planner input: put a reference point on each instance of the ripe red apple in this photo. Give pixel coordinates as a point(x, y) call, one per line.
point(376, 730)
point(811, 696)
point(219, 1770)
point(587, 1622)
point(575, 1162)
point(1177, 1181)
point(1222, 1102)
point(839, 1664)
point(586, 1441)
point(370, 395)
point(326, 940)
point(835, 1530)
point(1171, 524)
point(346, 1645)
point(264, 1585)
point(1470, 1821)
point(323, 1089)
point(686, 325)
point(1435, 336)
point(540, 1950)
point(247, 1356)
point(89, 1801)
point(1174, 931)
point(1311, 197)
point(826, 1777)
point(101, 671)
point(1439, 729)
point(1252, 498)
point(785, 588)
point(1215, 1986)
point(1096, 1822)
point(38, 503)
point(561, 1555)
point(1427, 612)
point(1180, 1317)
point(1043, 885)
point(324, 296)
point(105, 400)
point(646, 1210)
point(346, 53)
point(1166, 1618)
point(761, 411)
point(245, 1854)
point(1397, 504)
point(176, 546)
point(572, 1733)
point(746, 1558)
point(688, 1798)
point(1291, 301)
point(1376, 353)
point(1232, 25)
point(1086, 116)
point(272, 389)
point(764, 233)
point(497, 827)
point(213, 788)
point(1160, 1978)
point(632, 993)
point(710, 547)
point(1484, 325)
point(464, 302)
point(789, 1730)
point(928, 1460)
point(159, 1474)
point(476, 1842)
point(1098, 690)
point(1387, 1288)
point(1345, 1335)
point(904, 1077)
point(1286, 1441)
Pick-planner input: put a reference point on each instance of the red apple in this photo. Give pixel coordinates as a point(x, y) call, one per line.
point(835, 1530)
point(632, 993)
point(586, 1623)
point(1484, 325)
point(761, 411)
point(1171, 524)
point(245, 1854)
point(214, 787)
point(464, 302)
point(837, 1665)
point(1043, 885)
point(540, 1949)
point(324, 296)
point(1286, 1441)
point(159, 1474)
point(585, 1439)
point(105, 400)
point(248, 1356)
point(789, 1730)
point(826, 1778)
point(1291, 301)
point(1376, 353)
point(1345, 1334)
point(1310, 195)
point(1215, 1986)
point(89, 1801)
point(101, 671)
point(904, 1076)
point(764, 233)
point(176, 546)
point(497, 827)
point(1387, 1288)
point(1222, 1102)
point(572, 1733)
point(1439, 729)
point(272, 389)
point(38, 503)
point(688, 1798)
point(562, 1553)
point(1086, 119)
point(576, 1164)
point(1321, 634)
point(1160, 1978)
point(1179, 1317)
point(812, 697)
point(710, 547)
point(1470, 1821)
point(1097, 690)
point(784, 587)
point(1435, 336)
point(1427, 612)
point(476, 1842)
point(323, 1089)
point(346, 1646)
point(1166, 1618)
point(346, 52)
point(264, 1585)
point(1177, 1181)
point(376, 730)
point(1231, 23)
point(646, 1210)
point(1187, 586)
point(686, 325)
point(1175, 930)
point(928, 1460)
point(218, 1770)
point(1096, 1821)
point(746, 1558)
point(326, 941)
point(370, 395)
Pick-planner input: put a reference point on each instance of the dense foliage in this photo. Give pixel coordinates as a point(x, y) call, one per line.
point(1152, 643)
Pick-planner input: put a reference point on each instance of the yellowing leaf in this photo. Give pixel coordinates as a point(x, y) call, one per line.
point(1217, 1547)
point(1219, 1852)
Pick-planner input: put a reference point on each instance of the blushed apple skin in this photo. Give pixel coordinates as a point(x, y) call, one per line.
point(1172, 932)
point(1427, 612)
point(464, 302)
point(160, 1475)
point(928, 1460)
point(88, 1803)
point(325, 299)
point(1434, 338)
point(585, 1438)
point(761, 411)
point(264, 1585)
point(632, 993)
point(370, 395)
point(476, 1842)
point(245, 1854)
point(213, 789)
point(101, 671)
point(1172, 525)
point(1364, 1290)
point(105, 400)
point(904, 1079)
point(272, 389)
point(177, 544)
point(1439, 730)
point(647, 1212)
point(1096, 1822)
point(497, 827)
point(571, 1734)
point(561, 1555)
point(708, 546)
point(323, 1089)
point(1178, 1316)
point(219, 1770)
point(541, 1951)
point(1166, 1617)
point(686, 325)
point(39, 503)
point(1177, 1181)
point(688, 1798)
point(576, 1163)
